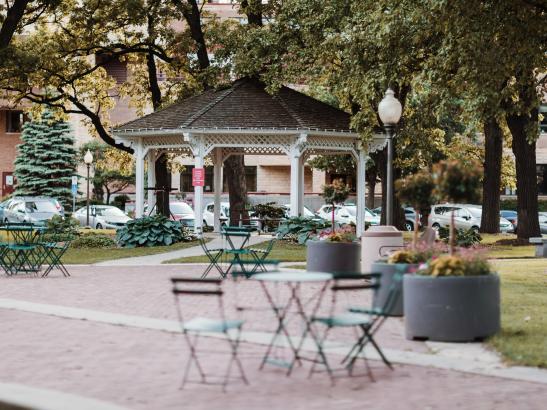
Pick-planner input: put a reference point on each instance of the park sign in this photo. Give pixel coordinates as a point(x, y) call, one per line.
point(74, 185)
point(198, 177)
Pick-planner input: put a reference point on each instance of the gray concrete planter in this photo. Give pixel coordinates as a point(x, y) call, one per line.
point(451, 309)
point(333, 257)
point(388, 271)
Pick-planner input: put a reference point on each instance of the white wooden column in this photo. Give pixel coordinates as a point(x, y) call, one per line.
point(151, 195)
point(139, 179)
point(361, 194)
point(301, 186)
point(217, 182)
point(197, 149)
point(295, 154)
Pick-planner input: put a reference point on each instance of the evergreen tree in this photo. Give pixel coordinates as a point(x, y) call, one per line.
point(46, 160)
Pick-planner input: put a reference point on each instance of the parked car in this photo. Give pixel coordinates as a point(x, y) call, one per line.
point(3, 205)
point(465, 217)
point(410, 216)
point(325, 212)
point(36, 210)
point(181, 211)
point(209, 213)
point(306, 213)
point(543, 222)
point(512, 217)
point(347, 214)
point(102, 217)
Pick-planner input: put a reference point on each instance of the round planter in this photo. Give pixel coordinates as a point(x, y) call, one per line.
point(388, 271)
point(451, 309)
point(333, 257)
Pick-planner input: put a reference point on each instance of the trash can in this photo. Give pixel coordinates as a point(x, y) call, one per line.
point(376, 242)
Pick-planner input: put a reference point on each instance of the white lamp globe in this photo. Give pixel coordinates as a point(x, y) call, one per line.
point(390, 109)
point(88, 158)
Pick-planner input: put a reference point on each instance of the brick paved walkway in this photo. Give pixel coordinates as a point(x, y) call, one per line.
point(142, 369)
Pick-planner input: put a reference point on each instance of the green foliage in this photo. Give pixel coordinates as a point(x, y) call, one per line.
point(417, 190)
point(154, 230)
point(337, 164)
point(62, 227)
point(465, 238)
point(120, 201)
point(46, 159)
point(511, 205)
point(269, 210)
point(458, 182)
point(299, 229)
point(94, 240)
point(335, 193)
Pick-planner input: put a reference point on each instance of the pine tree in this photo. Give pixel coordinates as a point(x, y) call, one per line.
point(46, 160)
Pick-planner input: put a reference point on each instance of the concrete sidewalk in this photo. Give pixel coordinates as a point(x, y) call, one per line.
point(158, 259)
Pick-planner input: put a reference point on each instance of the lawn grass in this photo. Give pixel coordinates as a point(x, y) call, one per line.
point(92, 255)
point(523, 337)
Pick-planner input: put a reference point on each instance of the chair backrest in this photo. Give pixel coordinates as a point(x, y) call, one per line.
point(350, 282)
point(271, 265)
point(393, 295)
point(194, 287)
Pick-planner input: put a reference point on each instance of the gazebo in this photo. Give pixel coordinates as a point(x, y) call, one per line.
point(243, 119)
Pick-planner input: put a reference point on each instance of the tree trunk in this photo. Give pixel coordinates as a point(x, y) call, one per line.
point(234, 170)
point(491, 186)
point(371, 177)
point(163, 186)
point(192, 15)
point(525, 164)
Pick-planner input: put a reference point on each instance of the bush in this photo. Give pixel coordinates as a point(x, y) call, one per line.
point(268, 211)
point(511, 205)
point(59, 228)
point(464, 238)
point(154, 230)
point(120, 201)
point(299, 229)
point(94, 240)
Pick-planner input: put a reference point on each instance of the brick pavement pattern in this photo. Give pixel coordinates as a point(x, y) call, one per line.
point(142, 369)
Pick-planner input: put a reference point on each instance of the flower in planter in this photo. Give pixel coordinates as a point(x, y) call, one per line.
point(343, 235)
point(417, 254)
point(465, 263)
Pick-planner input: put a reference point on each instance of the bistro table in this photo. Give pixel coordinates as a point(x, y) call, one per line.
point(293, 280)
point(237, 252)
point(21, 252)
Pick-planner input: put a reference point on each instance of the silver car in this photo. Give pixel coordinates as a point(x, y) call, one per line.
point(102, 217)
point(36, 210)
point(543, 222)
point(465, 217)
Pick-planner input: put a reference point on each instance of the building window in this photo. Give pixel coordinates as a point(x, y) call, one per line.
point(15, 121)
point(113, 66)
point(543, 121)
point(186, 179)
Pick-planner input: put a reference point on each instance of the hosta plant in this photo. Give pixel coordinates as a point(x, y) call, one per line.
point(154, 230)
point(299, 229)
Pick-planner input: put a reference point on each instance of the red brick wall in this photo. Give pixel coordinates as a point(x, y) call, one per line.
point(8, 142)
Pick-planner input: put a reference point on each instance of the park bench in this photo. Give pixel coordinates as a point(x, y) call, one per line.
point(541, 246)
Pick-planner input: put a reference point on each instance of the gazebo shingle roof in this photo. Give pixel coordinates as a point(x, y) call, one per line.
point(246, 105)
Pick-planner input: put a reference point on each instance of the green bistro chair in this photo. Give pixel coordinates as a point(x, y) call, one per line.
point(368, 321)
point(214, 256)
point(52, 253)
point(261, 255)
point(185, 288)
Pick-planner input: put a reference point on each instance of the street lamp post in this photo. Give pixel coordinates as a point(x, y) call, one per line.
point(390, 111)
point(88, 160)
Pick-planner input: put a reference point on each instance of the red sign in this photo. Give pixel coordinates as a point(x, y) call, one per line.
point(198, 177)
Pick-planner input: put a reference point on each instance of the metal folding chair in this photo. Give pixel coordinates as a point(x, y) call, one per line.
point(261, 255)
point(214, 256)
point(368, 321)
point(52, 253)
point(192, 329)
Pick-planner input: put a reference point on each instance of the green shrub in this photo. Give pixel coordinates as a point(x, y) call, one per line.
point(299, 229)
point(511, 205)
point(268, 211)
point(120, 201)
point(154, 230)
point(59, 228)
point(465, 238)
point(94, 240)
